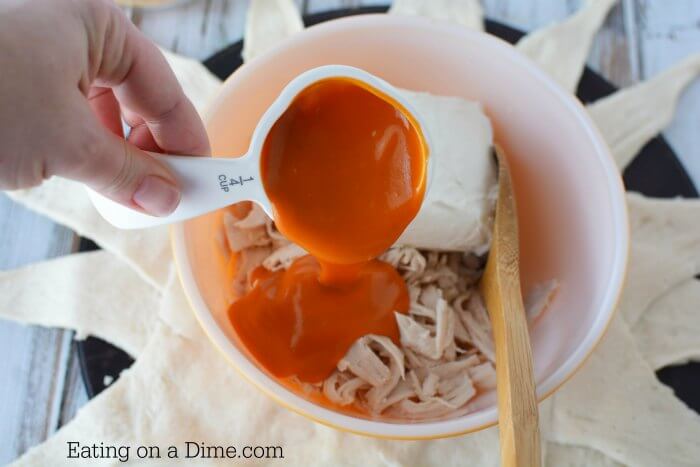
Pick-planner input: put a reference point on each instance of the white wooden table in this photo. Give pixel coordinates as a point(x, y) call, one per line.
point(40, 383)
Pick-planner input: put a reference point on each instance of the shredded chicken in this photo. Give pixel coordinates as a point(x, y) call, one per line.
point(240, 238)
point(446, 355)
point(283, 257)
point(256, 217)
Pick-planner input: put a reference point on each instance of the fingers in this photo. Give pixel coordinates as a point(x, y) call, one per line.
point(108, 112)
point(127, 75)
point(106, 109)
point(132, 179)
point(114, 167)
point(141, 136)
point(134, 80)
point(148, 91)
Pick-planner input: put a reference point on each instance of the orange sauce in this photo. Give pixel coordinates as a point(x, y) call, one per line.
point(345, 171)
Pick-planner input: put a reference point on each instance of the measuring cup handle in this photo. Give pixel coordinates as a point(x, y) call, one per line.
point(206, 183)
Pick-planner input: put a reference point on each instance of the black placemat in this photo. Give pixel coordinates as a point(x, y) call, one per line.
point(655, 172)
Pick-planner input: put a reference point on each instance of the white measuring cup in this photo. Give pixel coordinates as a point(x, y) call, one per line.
point(209, 183)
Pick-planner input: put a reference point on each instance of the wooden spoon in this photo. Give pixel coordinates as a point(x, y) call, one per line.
point(500, 287)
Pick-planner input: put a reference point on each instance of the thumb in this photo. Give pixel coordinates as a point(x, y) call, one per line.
point(119, 170)
point(134, 178)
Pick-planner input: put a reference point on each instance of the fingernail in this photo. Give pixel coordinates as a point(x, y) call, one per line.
point(156, 196)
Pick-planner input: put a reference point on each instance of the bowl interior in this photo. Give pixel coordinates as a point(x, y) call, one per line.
point(570, 200)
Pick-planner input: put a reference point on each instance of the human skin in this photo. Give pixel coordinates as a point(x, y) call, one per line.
point(70, 70)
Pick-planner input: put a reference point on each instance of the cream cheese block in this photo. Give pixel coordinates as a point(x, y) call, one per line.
point(457, 210)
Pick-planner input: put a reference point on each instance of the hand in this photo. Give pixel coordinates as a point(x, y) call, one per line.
point(69, 69)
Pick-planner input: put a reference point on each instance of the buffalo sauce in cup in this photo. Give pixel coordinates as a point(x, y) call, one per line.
point(345, 169)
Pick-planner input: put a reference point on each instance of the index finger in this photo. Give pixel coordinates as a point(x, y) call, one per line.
point(146, 87)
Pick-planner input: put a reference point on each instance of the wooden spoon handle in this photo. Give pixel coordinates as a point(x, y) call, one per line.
point(517, 403)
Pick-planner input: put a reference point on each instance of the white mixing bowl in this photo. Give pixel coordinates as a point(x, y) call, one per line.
point(571, 206)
